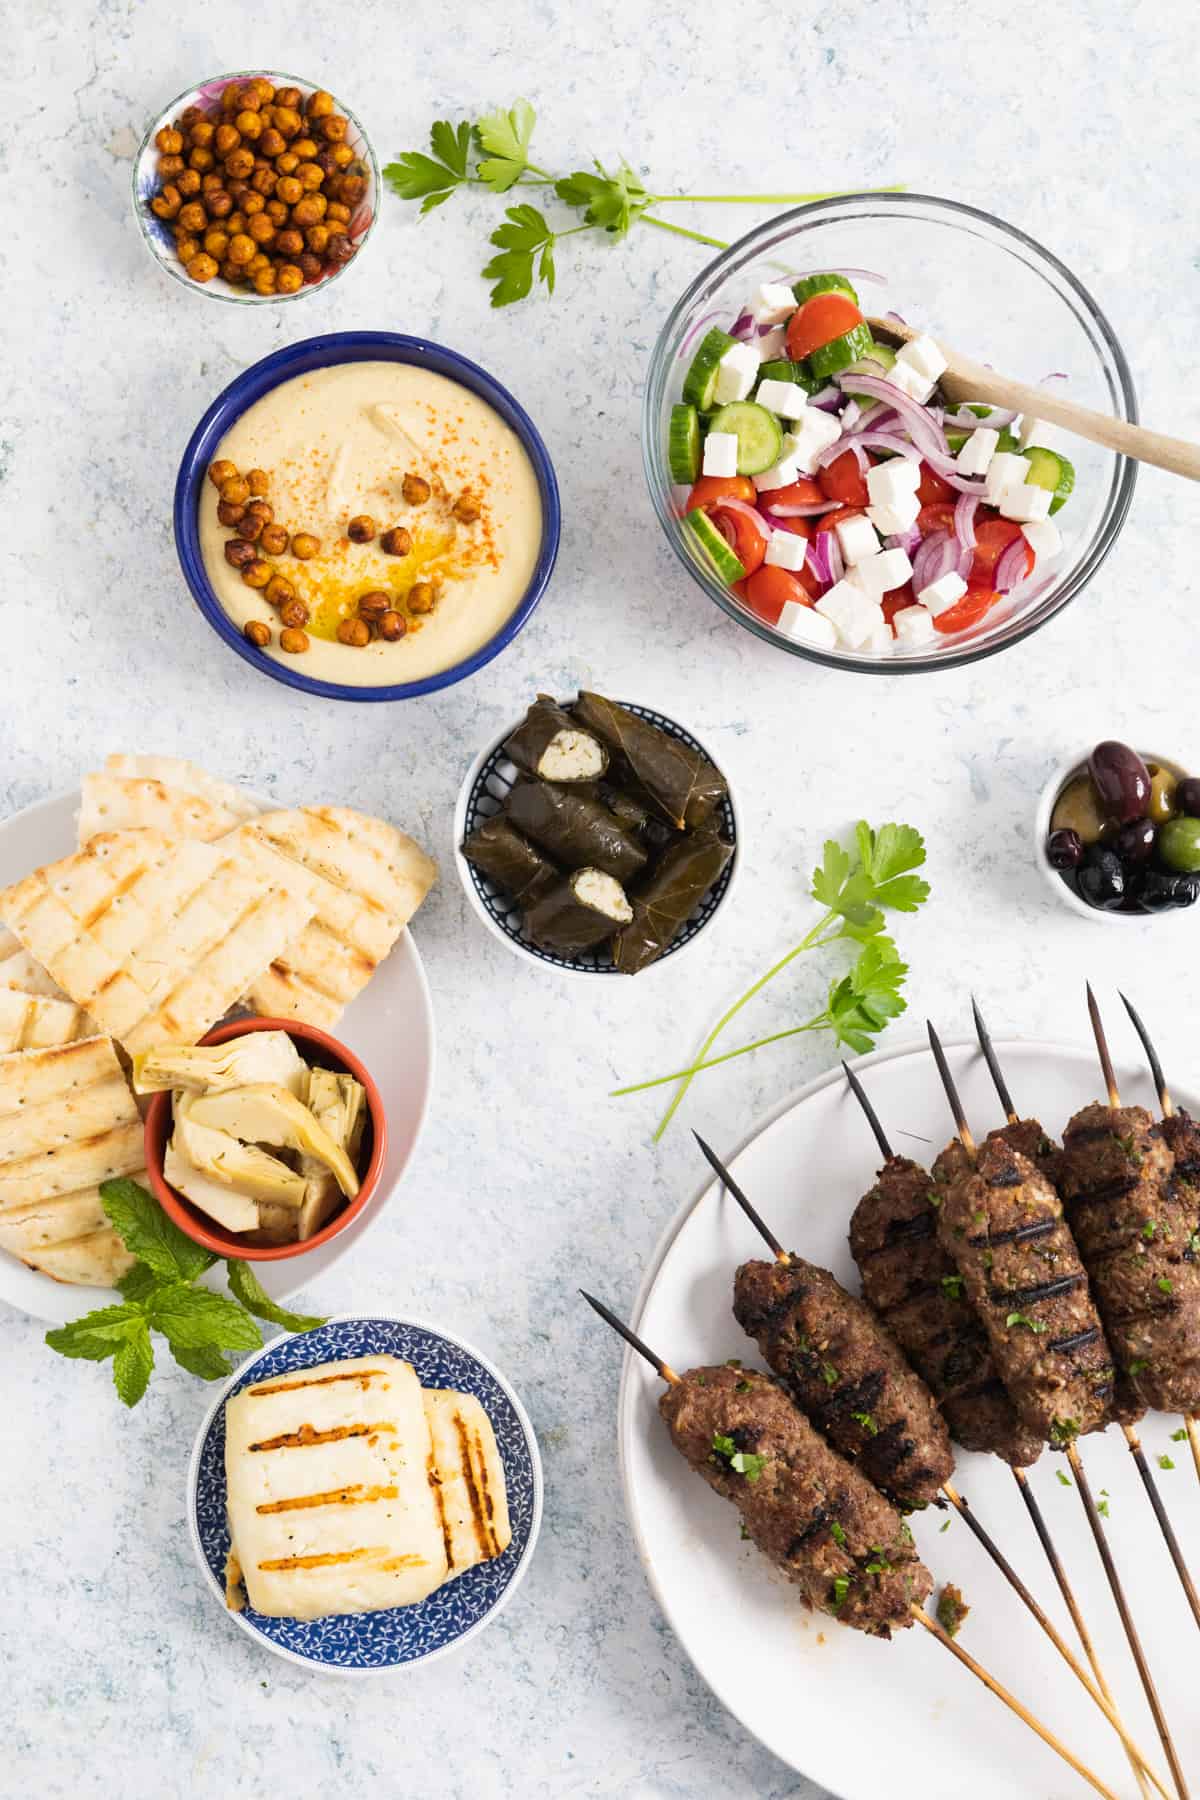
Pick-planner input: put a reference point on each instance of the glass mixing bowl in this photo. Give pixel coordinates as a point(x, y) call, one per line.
point(970, 280)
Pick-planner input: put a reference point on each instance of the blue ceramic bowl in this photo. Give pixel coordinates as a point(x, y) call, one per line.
point(366, 1643)
point(320, 353)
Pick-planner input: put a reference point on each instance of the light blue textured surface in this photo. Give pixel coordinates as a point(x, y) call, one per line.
point(1075, 121)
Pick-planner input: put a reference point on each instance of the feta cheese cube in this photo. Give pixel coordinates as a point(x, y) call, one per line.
point(903, 376)
point(786, 550)
point(857, 538)
point(894, 515)
point(781, 474)
point(1006, 470)
point(817, 430)
point(893, 482)
point(851, 612)
point(1035, 433)
point(787, 398)
point(772, 344)
point(938, 596)
point(804, 625)
point(923, 355)
point(913, 625)
point(721, 453)
point(1027, 505)
point(881, 642)
point(1042, 536)
point(978, 451)
point(878, 575)
point(737, 372)
point(773, 303)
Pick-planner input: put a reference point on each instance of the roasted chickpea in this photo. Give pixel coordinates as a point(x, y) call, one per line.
point(390, 626)
point(416, 489)
point(351, 189)
point(279, 589)
point(316, 238)
point(337, 214)
point(171, 166)
point(263, 182)
point(277, 212)
point(257, 633)
point(258, 573)
point(203, 132)
point(235, 491)
point(219, 204)
point(167, 204)
point(397, 541)
point(287, 120)
point(310, 177)
point(361, 528)
point(274, 540)
point(202, 267)
point(305, 545)
point(272, 142)
point(261, 229)
point(355, 632)
point(187, 247)
point(289, 278)
point(249, 124)
point(225, 139)
point(288, 96)
point(374, 604)
point(260, 260)
point(229, 513)
point(252, 203)
point(264, 89)
point(258, 481)
point(289, 189)
point(310, 210)
point(294, 642)
point(342, 155)
point(221, 471)
point(188, 181)
point(216, 242)
point(238, 553)
point(339, 249)
point(188, 117)
point(247, 97)
point(466, 509)
point(333, 128)
point(320, 104)
point(241, 248)
point(262, 510)
point(201, 158)
point(264, 281)
point(325, 160)
point(290, 242)
point(232, 273)
point(235, 224)
point(288, 163)
point(293, 612)
point(229, 98)
point(310, 266)
point(169, 141)
point(306, 148)
point(251, 527)
point(421, 597)
point(239, 164)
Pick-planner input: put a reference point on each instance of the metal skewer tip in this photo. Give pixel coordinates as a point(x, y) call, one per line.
point(860, 1094)
point(1156, 1069)
point(760, 1225)
point(993, 1063)
point(631, 1338)
point(956, 1105)
point(1106, 1067)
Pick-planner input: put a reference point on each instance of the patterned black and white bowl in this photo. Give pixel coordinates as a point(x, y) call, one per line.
point(482, 795)
point(401, 1636)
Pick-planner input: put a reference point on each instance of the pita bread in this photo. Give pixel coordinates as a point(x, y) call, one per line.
point(31, 1022)
point(136, 803)
point(67, 1122)
point(175, 772)
point(157, 937)
point(369, 881)
point(19, 970)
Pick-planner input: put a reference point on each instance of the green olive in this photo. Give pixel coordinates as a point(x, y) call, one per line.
point(1162, 794)
point(1179, 844)
point(1078, 809)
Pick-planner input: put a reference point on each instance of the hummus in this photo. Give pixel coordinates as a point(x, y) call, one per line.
point(336, 444)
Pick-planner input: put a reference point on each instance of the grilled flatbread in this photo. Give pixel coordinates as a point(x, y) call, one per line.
point(370, 880)
point(157, 937)
point(19, 970)
point(32, 1022)
point(471, 1497)
point(136, 803)
point(68, 1121)
point(176, 772)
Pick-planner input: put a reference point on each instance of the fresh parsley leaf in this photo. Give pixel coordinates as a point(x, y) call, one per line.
point(829, 1374)
point(197, 1319)
point(205, 1362)
point(1164, 1462)
point(887, 856)
point(841, 1587)
point(148, 1234)
point(133, 1362)
point(97, 1334)
point(1019, 1318)
point(432, 179)
point(1064, 1431)
point(952, 1285)
point(829, 879)
point(1165, 1285)
point(945, 1526)
point(1065, 1480)
point(505, 137)
point(745, 1535)
point(1177, 1437)
point(837, 1534)
point(1138, 1364)
point(451, 144)
point(611, 202)
point(1102, 1508)
point(245, 1286)
point(747, 1463)
point(867, 1423)
point(724, 1446)
point(520, 241)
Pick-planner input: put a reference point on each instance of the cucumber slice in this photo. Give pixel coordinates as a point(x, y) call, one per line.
point(1007, 442)
point(727, 565)
point(757, 431)
point(683, 445)
point(878, 360)
point(782, 370)
point(1047, 469)
point(700, 382)
point(842, 352)
point(809, 285)
point(955, 441)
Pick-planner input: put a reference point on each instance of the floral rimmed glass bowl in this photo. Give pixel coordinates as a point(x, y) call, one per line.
point(976, 283)
point(156, 232)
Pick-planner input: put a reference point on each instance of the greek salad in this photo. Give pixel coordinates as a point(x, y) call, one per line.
point(835, 491)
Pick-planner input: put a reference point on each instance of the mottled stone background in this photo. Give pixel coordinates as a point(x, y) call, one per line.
point(1076, 122)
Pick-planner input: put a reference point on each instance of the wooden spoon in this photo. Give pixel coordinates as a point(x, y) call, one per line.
point(967, 380)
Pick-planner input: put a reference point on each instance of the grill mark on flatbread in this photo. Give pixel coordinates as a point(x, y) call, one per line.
point(363, 1376)
point(354, 1495)
point(307, 1435)
point(481, 1506)
point(330, 1557)
point(126, 885)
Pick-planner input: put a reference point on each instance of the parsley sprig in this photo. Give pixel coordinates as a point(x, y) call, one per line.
point(159, 1293)
point(856, 889)
point(493, 152)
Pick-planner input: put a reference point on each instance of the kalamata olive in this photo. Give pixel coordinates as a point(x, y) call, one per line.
point(1077, 809)
point(1134, 842)
point(1164, 793)
point(1179, 844)
point(1064, 849)
point(1121, 779)
point(1187, 796)
point(1160, 893)
point(1101, 879)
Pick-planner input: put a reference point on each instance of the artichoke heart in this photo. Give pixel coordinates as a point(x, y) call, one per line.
point(265, 1113)
point(234, 1210)
point(338, 1103)
point(215, 1152)
point(260, 1056)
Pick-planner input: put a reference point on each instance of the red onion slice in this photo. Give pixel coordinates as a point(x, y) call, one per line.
point(809, 510)
point(818, 556)
point(828, 399)
point(964, 520)
point(704, 319)
point(837, 564)
point(903, 540)
point(850, 415)
point(925, 434)
point(867, 416)
point(1010, 569)
point(724, 504)
point(965, 420)
point(939, 554)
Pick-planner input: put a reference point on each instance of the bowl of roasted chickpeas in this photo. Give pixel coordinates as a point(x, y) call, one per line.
point(255, 188)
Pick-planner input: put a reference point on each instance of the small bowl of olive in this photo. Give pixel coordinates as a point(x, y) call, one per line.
point(1118, 833)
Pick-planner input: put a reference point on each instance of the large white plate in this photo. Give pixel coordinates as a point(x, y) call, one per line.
point(871, 1719)
point(390, 1026)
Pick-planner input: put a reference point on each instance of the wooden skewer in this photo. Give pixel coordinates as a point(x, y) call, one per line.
point(920, 1617)
point(1094, 1519)
point(1101, 1697)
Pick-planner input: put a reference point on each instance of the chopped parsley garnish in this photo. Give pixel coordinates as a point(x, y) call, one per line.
point(742, 1462)
point(1164, 1462)
point(945, 1525)
point(1177, 1437)
point(1165, 1285)
point(741, 1387)
point(1064, 1431)
point(841, 1587)
point(1149, 1229)
point(1019, 1318)
point(906, 1534)
point(934, 1199)
point(829, 1374)
point(837, 1534)
point(1102, 1508)
point(745, 1535)
point(1193, 1244)
point(724, 1446)
point(878, 1568)
point(733, 1362)
point(1065, 1479)
point(953, 1285)
point(1138, 1364)
point(867, 1422)
point(952, 1609)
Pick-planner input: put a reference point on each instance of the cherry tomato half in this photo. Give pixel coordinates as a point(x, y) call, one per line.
point(720, 487)
point(967, 611)
point(797, 493)
point(747, 539)
point(819, 321)
point(770, 588)
point(992, 539)
point(937, 517)
point(800, 527)
point(841, 479)
point(932, 488)
point(897, 600)
point(827, 521)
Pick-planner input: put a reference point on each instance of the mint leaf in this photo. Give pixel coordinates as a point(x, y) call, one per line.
point(505, 136)
point(149, 1235)
point(97, 1335)
point(244, 1285)
point(209, 1364)
point(139, 1282)
point(519, 240)
point(197, 1319)
point(132, 1364)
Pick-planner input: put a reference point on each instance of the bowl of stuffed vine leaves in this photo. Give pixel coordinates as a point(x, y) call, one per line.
point(596, 836)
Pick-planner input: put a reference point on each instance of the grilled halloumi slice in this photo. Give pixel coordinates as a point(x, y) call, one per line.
point(470, 1492)
point(331, 1502)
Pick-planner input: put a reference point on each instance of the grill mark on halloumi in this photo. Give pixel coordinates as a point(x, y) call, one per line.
point(480, 1502)
point(289, 1387)
point(435, 1483)
point(354, 1495)
point(329, 1557)
point(306, 1436)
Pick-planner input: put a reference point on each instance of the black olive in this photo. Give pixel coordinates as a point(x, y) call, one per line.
point(1101, 878)
point(1121, 779)
point(1134, 842)
point(1064, 849)
point(1159, 892)
point(1187, 797)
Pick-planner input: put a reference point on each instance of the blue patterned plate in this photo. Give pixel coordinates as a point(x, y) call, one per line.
point(364, 1643)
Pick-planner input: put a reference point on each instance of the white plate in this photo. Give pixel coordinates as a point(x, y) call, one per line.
point(867, 1718)
point(390, 1026)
